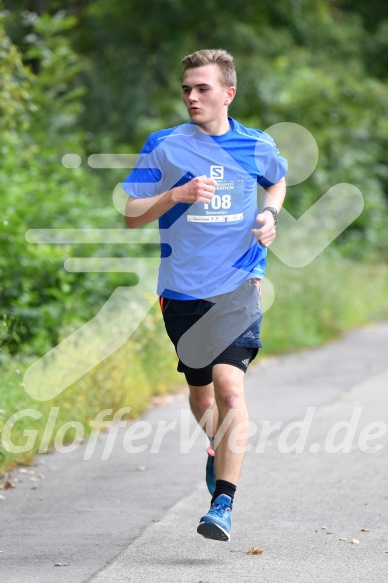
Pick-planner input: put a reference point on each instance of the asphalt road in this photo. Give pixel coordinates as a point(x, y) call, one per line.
point(307, 482)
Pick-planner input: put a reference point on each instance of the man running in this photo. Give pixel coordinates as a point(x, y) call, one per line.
point(200, 180)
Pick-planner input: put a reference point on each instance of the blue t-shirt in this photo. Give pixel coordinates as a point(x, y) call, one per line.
point(207, 250)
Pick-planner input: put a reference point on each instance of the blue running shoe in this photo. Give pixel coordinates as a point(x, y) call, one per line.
point(210, 471)
point(216, 524)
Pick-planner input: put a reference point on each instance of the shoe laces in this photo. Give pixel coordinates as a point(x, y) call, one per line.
point(220, 510)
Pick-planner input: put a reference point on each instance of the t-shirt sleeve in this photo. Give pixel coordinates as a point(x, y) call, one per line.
point(273, 166)
point(146, 178)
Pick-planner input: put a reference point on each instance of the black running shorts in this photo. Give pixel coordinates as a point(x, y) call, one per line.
point(219, 330)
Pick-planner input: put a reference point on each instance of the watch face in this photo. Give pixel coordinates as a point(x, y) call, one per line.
point(273, 211)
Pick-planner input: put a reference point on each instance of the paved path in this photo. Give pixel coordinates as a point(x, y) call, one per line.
point(113, 521)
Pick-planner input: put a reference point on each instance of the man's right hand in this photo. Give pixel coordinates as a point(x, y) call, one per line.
point(140, 211)
point(199, 189)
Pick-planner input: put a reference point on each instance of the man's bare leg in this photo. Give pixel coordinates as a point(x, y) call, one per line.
point(230, 440)
point(222, 397)
point(229, 396)
point(204, 408)
point(203, 403)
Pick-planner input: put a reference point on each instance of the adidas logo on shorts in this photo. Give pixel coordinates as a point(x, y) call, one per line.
point(245, 361)
point(249, 334)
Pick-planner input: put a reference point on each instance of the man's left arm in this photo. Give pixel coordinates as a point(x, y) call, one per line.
point(273, 196)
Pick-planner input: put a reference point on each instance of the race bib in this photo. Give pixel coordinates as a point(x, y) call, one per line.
point(225, 206)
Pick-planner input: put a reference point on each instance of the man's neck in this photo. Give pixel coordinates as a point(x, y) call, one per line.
point(216, 128)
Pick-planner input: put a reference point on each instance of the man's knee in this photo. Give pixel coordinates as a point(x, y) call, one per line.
point(229, 387)
point(229, 399)
point(202, 397)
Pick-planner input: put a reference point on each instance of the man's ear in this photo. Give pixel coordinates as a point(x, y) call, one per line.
point(231, 92)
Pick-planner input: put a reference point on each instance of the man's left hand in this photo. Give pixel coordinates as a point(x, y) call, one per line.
point(266, 233)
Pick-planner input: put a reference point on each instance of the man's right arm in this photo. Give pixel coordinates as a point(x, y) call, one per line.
point(140, 211)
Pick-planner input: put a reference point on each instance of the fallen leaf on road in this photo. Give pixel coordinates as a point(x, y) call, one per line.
point(254, 551)
point(343, 538)
point(365, 530)
point(2, 497)
point(33, 479)
point(41, 476)
point(141, 468)
point(355, 541)
point(25, 471)
point(8, 485)
point(61, 564)
point(323, 527)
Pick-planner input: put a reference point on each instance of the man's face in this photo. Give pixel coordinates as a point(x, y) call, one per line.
point(204, 96)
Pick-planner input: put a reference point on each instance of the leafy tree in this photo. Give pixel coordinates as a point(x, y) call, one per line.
point(40, 124)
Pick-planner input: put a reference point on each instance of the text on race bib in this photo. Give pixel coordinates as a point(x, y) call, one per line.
point(225, 206)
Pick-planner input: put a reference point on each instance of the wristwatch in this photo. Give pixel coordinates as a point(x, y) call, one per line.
point(274, 212)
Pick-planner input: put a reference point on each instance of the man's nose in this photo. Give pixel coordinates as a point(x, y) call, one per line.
point(193, 96)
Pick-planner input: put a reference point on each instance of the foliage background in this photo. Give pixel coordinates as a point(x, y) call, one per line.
point(85, 77)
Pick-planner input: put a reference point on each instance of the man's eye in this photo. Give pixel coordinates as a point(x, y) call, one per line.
point(203, 89)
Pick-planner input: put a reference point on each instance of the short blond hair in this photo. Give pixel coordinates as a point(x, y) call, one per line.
point(219, 57)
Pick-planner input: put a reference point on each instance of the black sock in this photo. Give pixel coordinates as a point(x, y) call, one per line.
point(224, 487)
